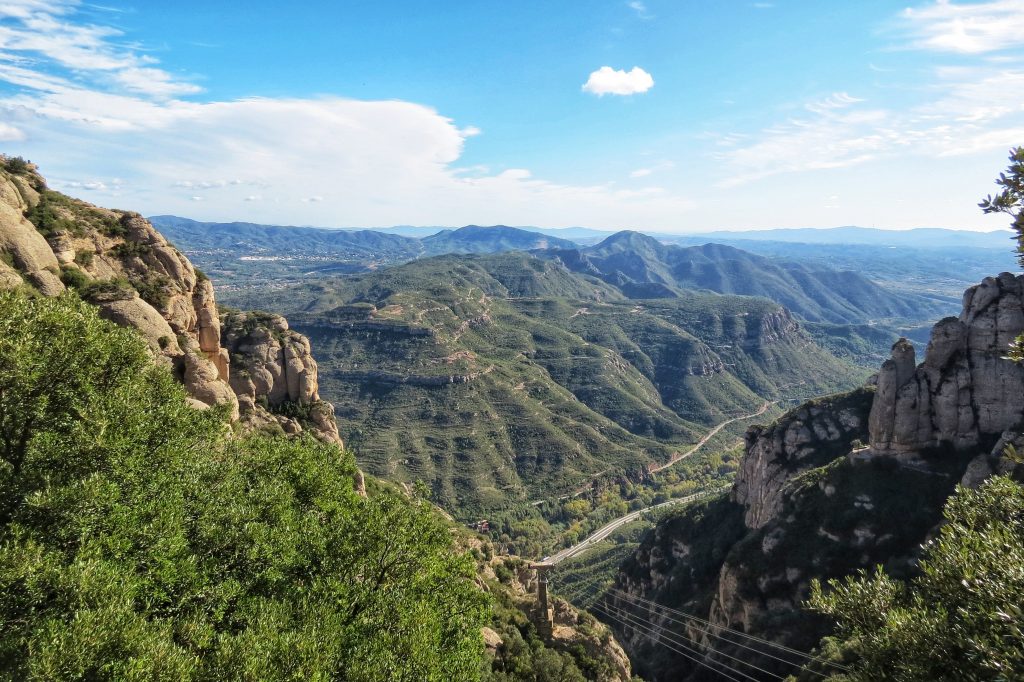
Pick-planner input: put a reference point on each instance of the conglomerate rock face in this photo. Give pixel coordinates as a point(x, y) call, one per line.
point(966, 393)
point(123, 265)
point(273, 370)
point(810, 436)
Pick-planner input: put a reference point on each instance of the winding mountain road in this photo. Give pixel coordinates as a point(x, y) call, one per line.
point(610, 527)
point(709, 435)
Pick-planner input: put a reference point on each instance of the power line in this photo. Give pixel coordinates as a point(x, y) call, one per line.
point(656, 639)
point(732, 631)
point(729, 641)
point(712, 649)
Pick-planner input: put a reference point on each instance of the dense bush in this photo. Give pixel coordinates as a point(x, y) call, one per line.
point(50, 215)
point(16, 165)
point(138, 541)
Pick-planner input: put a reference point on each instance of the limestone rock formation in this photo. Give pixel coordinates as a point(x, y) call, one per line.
point(120, 263)
point(274, 374)
point(811, 435)
point(21, 243)
point(966, 393)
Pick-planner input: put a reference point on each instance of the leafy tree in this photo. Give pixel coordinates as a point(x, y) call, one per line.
point(962, 618)
point(140, 541)
point(1011, 199)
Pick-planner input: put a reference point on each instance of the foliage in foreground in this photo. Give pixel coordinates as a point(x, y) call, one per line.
point(961, 618)
point(139, 541)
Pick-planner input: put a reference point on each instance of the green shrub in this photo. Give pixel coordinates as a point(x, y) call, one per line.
point(138, 540)
point(130, 249)
point(117, 285)
point(153, 289)
point(16, 165)
point(73, 277)
point(84, 257)
point(48, 217)
point(960, 618)
point(293, 409)
point(112, 226)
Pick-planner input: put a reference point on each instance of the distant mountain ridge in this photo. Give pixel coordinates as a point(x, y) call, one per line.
point(369, 243)
point(921, 237)
point(639, 265)
point(642, 267)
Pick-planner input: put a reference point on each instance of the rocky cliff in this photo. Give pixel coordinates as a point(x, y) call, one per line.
point(811, 501)
point(966, 393)
point(117, 260)
point(810, 436)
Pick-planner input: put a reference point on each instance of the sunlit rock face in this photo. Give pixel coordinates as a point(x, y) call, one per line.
point(966, 393)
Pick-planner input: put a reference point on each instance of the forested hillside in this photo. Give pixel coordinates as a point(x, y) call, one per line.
point(506, 380)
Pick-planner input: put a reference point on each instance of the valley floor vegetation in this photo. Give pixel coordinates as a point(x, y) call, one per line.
point(140, 539)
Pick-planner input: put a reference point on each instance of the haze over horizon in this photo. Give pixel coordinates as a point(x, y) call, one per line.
point(646, 115)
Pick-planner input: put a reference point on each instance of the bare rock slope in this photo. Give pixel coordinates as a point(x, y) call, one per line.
point(119, 262)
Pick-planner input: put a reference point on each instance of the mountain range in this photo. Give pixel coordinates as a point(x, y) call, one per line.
point(643, 267)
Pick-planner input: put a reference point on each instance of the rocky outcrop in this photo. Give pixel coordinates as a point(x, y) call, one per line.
point(120, 263)
point(810, 436)
point(273, 370)
point(25, 248)
point(966, 393)
point(773, 327)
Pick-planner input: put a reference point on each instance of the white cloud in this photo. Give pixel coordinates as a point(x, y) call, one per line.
point(650, 170)
point(9, 133)
point(837, 100)
point(33, 30)
point(609, 81)
point(641, 9)
point(966, 28)
point(973, 109)
point(471, 131)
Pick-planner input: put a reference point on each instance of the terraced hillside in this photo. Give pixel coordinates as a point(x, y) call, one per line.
point(504, 379)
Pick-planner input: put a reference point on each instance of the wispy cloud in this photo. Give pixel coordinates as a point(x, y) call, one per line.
point(641, 9)
point(973, 110)
point(837, 100)
point(609, 81)
point(967, 28)
point(973, 107)
point(32, 30)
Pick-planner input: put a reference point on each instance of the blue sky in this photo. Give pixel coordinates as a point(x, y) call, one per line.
point(655, 115)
